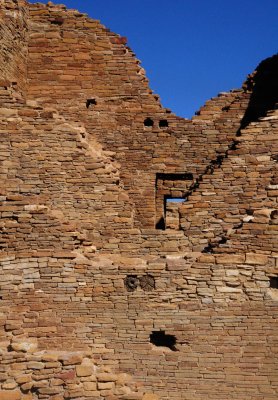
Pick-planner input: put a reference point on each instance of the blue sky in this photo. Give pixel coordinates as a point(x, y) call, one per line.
point(191, 50)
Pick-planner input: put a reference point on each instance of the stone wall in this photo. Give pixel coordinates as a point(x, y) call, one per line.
point(108, 289)
point(13, 52)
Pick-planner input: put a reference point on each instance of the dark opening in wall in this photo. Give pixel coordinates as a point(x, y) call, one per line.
point(160, 339)
point(175, 177)
point(161, 224)
point(163, 123)
point(91, 103)
point(274, 217)
point(131, 282)
point(57, 21)
point(273, 282)
point(171, 190)
point(148, 122)
point(208, 249)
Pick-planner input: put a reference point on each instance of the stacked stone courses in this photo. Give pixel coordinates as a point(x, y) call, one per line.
point(109, 290)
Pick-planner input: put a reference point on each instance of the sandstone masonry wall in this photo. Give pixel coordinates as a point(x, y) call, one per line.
point(108, 289)
point(13, 53)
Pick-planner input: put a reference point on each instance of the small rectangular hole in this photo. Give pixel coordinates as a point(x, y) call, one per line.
point(57, 21)
point(91, 103)
point(273, 282)
point(161, 339)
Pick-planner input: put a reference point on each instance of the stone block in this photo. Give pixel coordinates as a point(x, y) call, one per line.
point(91, 386)
point(71, 359)
point(105, 385)
point(35, 365)
point(232, 259)
point(10, 395)
point(84, 370)
point(24, 345)
point(103, 377)
point(67, 375)
point(150, 396)
point(255, 258)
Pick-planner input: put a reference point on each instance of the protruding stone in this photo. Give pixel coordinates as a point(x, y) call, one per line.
point(84, 370)
point(24, 345)
point(35, 365)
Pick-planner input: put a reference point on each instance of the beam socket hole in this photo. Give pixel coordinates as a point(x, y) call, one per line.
point(161, 339)
point(163, 123)
point(148, 122)
point(90, 103)
point(273, 282)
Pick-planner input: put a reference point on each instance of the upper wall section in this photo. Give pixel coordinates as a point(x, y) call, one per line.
point(14, 48)
point(90, 75)
point(79, 58)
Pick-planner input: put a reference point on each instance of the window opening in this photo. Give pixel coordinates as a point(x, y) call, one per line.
point(57, 21)
point(161, 339)
point(148, 122)
point(175, 199)
point(163, 123)
point(171, 192)
point(90, 103)
point(273, 282)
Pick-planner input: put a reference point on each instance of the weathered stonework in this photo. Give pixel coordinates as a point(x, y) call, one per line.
point(108, 290)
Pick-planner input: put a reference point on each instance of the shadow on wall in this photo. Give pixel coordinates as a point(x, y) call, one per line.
point(263, 83)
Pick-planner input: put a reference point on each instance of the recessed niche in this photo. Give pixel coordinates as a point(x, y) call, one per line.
point(274, 217)
point(161, 339)
point(273, 282)
point(163, 123)
point(57, 21)
point(225, 108)
point(171, 190)
point(148, 122)
point(131, 282)
point(90, 103)
point(147, 283)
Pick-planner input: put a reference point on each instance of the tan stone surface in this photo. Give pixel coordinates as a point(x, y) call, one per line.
point(94, 259)
point(150, 396)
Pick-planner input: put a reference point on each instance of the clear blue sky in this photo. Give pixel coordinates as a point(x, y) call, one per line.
point(191, 50)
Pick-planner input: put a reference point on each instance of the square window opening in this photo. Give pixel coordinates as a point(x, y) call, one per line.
point(273, 282)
